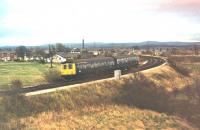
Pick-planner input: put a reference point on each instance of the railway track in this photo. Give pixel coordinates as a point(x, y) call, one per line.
point(151, 62)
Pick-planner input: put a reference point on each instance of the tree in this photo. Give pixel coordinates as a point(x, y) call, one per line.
point(174, 51)
point(21, 51)
point(67, 49)
point(136, 47)
point(38, 52)
point(52, 49)
point(60, 47)
point(195, 48)
point(29, 52)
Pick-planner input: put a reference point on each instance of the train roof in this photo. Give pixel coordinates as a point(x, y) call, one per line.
point(95, 59)
point(100, 59)
point(118, 57)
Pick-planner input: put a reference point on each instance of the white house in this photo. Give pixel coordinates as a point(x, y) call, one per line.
point(58, 58)
point(75, 50)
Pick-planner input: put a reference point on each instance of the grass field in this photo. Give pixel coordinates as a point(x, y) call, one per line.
point(28, 72)
point(195, 67)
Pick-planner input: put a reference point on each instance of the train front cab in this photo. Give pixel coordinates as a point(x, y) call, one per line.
point(68, 70)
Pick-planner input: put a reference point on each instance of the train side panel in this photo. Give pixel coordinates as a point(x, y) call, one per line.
point(68, 69)
point(127, 62)
point(98, 66)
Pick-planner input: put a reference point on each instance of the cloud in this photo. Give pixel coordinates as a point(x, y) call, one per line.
point(48, 21)
point(195, 37)
point(184, 7)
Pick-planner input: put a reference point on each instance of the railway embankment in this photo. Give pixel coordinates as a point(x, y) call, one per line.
point(153, 62)
point(151, 99)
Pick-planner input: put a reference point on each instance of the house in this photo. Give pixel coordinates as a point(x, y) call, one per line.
point(8, 55)
point(62, 57)
point(95, 52)
point(59, 57)
point(75, 50)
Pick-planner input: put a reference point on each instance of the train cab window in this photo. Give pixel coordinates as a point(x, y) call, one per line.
point(70, 66)
point(64, 67)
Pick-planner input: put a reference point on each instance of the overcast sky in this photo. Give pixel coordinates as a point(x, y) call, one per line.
point(31, 22)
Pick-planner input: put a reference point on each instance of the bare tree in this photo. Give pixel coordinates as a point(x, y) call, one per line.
point(195, 49)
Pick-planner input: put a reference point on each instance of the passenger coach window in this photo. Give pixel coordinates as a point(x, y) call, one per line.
point(65, 67)
point(70, 66)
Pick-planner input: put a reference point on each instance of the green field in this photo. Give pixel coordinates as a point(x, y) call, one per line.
point(28, 72)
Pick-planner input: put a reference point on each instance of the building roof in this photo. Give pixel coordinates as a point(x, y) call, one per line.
point(65, 55)
point(4, 51)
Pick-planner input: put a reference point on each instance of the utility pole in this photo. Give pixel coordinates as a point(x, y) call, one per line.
point(83, 44)
point(50, 54)
point(195, 48)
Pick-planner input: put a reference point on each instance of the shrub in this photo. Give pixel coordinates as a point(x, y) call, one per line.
point(179, 68)
point(16, 85)
point(53, 76)
point(143, 93)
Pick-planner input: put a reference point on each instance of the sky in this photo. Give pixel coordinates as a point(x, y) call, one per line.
point(36, 22)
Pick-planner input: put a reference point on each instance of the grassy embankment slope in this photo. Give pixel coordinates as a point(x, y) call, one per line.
point(30, 73)
point(144, 102)
point(191, 62)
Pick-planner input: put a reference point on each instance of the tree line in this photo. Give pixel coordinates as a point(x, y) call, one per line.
point(22, 51)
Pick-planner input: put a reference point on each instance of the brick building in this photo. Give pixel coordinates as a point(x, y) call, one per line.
point(8, 56)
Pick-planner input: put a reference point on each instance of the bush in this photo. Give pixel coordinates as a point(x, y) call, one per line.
point(179, 68)
point(53, 76)
point(143, 93)
point(42, 61)
point(185, 59)
point(16, 85)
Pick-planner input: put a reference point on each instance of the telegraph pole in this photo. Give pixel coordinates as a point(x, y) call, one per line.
point(83, 44)
point(50, 55)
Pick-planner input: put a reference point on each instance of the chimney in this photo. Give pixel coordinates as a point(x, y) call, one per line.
point(83, 46)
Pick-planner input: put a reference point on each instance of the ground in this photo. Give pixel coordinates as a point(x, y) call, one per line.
point(28, 72)
point(108, 105)
point(195, 67)
point(156, 99)
point(111, 117)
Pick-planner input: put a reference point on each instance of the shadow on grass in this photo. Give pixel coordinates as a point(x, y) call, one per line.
point(145, 94)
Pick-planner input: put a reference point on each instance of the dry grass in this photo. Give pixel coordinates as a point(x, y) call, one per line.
point(168, 78)
point(125, 104)
point(102, 118)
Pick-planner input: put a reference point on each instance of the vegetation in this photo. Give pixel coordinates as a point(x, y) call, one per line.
point(140, 102)
point(53, 76)
point(178, 67)
point(16, 86)
point(191, 66)
point(28, 72)
point(186, 63)
point(108, 104)
point(21, 51)
point(185, 59)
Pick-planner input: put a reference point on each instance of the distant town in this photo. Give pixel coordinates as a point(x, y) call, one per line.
point(60, 52)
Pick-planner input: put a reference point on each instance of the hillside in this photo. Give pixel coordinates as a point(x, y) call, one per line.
point(143, 101)
point(104, 117)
